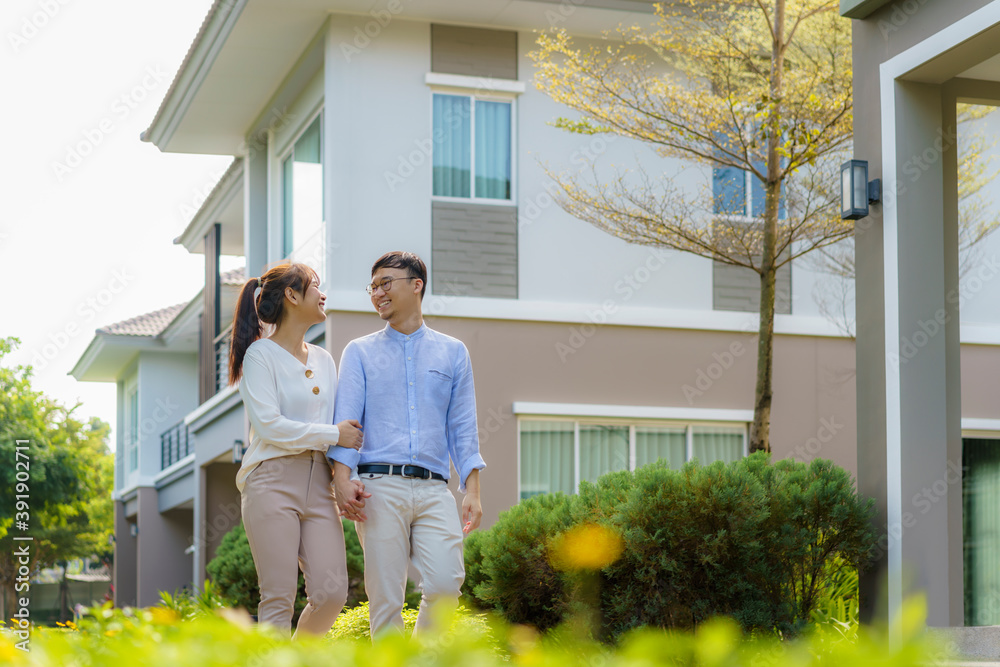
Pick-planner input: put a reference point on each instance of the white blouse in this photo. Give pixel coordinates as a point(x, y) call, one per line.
point(290, 404)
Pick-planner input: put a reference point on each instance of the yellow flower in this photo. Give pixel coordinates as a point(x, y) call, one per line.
point(163, 616)
point(586, 547)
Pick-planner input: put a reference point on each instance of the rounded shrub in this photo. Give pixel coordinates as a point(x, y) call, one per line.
point(233, 572)
point(514, 573)
point(755, 541)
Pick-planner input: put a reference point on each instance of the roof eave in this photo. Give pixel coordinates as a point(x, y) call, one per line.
point(860, 9)
point(223, 192)
point(101, 344)
point(201, 56)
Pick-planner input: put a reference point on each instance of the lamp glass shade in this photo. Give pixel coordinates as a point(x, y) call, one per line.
point(854, 190)
point(860, 197)
point(845, 191)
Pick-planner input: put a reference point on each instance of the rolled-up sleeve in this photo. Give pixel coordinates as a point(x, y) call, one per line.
point(463, 429)
point(350, 401)
point(259, 391)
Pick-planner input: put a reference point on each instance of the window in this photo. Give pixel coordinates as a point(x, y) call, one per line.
point(981, 529)
point(555, 454)
point(738, 192)
point(132, 428)
point(302, 198)
point(472, 148)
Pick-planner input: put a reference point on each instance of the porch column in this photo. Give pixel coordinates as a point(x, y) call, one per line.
point(922, 401)
point(255, 207)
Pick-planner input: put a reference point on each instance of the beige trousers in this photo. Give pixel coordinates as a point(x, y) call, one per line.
point(409, 521)
point(292, 523)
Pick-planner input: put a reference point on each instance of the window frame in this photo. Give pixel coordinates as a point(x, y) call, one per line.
point(632, 423)
point(281, 158)
point(474, 95)
point(133, 432)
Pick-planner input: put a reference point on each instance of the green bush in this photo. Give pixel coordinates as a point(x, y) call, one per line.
point(235, 576)
point(474, 575)
point(755, 541)
point(515, 575)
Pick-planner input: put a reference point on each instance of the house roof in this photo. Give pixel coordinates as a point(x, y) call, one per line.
point(234, 277)
point(147, 324)
point(153, 323)
point(232, 81)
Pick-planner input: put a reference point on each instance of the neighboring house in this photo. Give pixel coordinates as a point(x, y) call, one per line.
point(928, 448)
point(359, 128)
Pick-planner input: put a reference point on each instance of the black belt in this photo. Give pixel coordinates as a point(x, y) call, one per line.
point(405, 471)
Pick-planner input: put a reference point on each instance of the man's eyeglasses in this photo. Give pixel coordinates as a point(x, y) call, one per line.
point(385, 284)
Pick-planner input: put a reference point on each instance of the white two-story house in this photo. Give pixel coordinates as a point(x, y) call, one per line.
point(359, 127)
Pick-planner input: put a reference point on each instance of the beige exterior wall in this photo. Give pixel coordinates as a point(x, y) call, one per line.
point(814, 397)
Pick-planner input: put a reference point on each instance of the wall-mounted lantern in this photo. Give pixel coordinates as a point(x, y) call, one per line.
point(856, 191)
point(238, 451)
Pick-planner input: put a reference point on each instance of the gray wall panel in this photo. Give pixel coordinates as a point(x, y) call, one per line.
point(474, 250)
point(738, 288)
point(474, 51)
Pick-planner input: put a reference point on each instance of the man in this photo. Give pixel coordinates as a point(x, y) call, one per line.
point(412, 390)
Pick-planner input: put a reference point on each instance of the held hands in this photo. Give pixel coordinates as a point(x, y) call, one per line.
point(350, 494)
point(350, 434)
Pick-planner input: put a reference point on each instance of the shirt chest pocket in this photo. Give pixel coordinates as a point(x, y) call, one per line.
point(438, 386)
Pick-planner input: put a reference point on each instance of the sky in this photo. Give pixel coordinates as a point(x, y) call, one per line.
point(88, 212)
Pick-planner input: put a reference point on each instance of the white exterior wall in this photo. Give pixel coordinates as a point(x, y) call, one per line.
point(168, 390)
point(377, 113)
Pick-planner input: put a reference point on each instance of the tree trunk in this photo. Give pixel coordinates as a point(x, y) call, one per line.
point(760, 433)
point(64, 596)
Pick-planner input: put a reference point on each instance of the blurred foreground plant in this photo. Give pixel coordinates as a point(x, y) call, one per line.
point(158, 636)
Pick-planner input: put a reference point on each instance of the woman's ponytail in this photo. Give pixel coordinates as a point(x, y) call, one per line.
point(246, 329)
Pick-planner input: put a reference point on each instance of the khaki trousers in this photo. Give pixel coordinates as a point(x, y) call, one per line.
point(409, 520)
point(292, 523)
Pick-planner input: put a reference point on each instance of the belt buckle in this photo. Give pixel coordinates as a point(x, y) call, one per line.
point(410, 475)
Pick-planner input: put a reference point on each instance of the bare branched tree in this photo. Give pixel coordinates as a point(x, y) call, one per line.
point(759, 86)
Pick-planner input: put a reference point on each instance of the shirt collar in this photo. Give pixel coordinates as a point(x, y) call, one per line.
point(396, 335)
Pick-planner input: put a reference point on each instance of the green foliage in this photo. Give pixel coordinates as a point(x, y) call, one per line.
point(474, 574)
point(69, 471)
point(353, 623)
point(516, 577)
point(761, 543)
point(234, 573)
point(157, 636)
point(187, 605)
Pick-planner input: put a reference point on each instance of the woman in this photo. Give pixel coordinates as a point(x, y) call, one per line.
point(288, 388)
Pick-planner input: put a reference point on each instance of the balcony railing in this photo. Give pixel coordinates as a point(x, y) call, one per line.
point(221, 345)
point(175, 444)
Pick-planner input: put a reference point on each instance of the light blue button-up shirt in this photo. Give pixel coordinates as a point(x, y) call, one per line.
point(415, 399)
